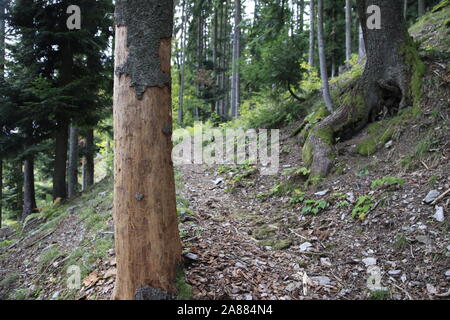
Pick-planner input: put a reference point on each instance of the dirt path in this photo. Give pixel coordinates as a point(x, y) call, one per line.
point(251, 242)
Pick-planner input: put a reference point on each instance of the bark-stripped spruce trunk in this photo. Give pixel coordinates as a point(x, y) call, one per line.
point(147, 243)
point(386, 82)
point(29, 198)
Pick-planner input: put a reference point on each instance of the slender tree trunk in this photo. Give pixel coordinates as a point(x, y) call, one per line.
point(73, 162)
point(1, 191)
point(59, 173)
point(61, 143)
point(2, 75)
point(348, 30)
point(88, 161)
point(405, 9)
point(323, 62)
point(312, 32)
point(29, 198)
point(301, 13)
point(421, 7)
point(183, 53)
point(235, 92)
point(147, 242)
point(361, 43)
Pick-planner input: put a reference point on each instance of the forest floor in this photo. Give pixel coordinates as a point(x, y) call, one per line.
point(252, 236)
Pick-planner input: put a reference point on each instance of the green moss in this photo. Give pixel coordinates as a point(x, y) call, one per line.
point(264, 233)
point(326, 135)
point(184, 290)
point(378, 136)
point(307, 154)
point(410, 53)
point(366, 147)
point(278, 244)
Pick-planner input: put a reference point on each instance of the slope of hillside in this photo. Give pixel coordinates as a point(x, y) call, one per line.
point(272, 237)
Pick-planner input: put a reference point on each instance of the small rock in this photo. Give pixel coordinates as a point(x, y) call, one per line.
point(395, 272)
point(218, 181)
point(447, 273)
point(351, 197)
point(325, 262)
point(322, 193)
point(431, 196)
point(111, 252)
point(240, 265)
point(389, 144)
point(423, 239)
point(55, 295)
point(448, 248)
point(431, 289)
point(305, 246)
point(292, 286)
point(191, 256)
point(439, 214)
point(369, 262)
point(322, 280)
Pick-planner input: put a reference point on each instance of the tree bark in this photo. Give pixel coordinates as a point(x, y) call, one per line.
point(323, 62)
point(348, 30)
point(147, 242)
point(183, 53)
point(59, 171)
point(61, 143)
point(29, 198)
point(405, 9)
point(88, 161)
point(312, 32)
point(386, 82)
point(421, 7)
point(361, 43)
point(73, 162)
point(2, 75)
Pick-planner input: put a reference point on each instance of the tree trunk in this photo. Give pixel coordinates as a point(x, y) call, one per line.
point(405, 9)
point(235, 85)
point(61, 143)
point(29, 198)
point(421, 7)
point(2, 75)
point(392, 64)
point(1, 191)
point(361, 43)
point(88, 161)
point(73, 162)
point(323, 62)
point(147, 242)
point(348, 30)
point(59, 173)
point(312, 32)
point(183, 53)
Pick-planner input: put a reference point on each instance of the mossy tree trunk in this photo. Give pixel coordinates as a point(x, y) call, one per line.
point(391, 80)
